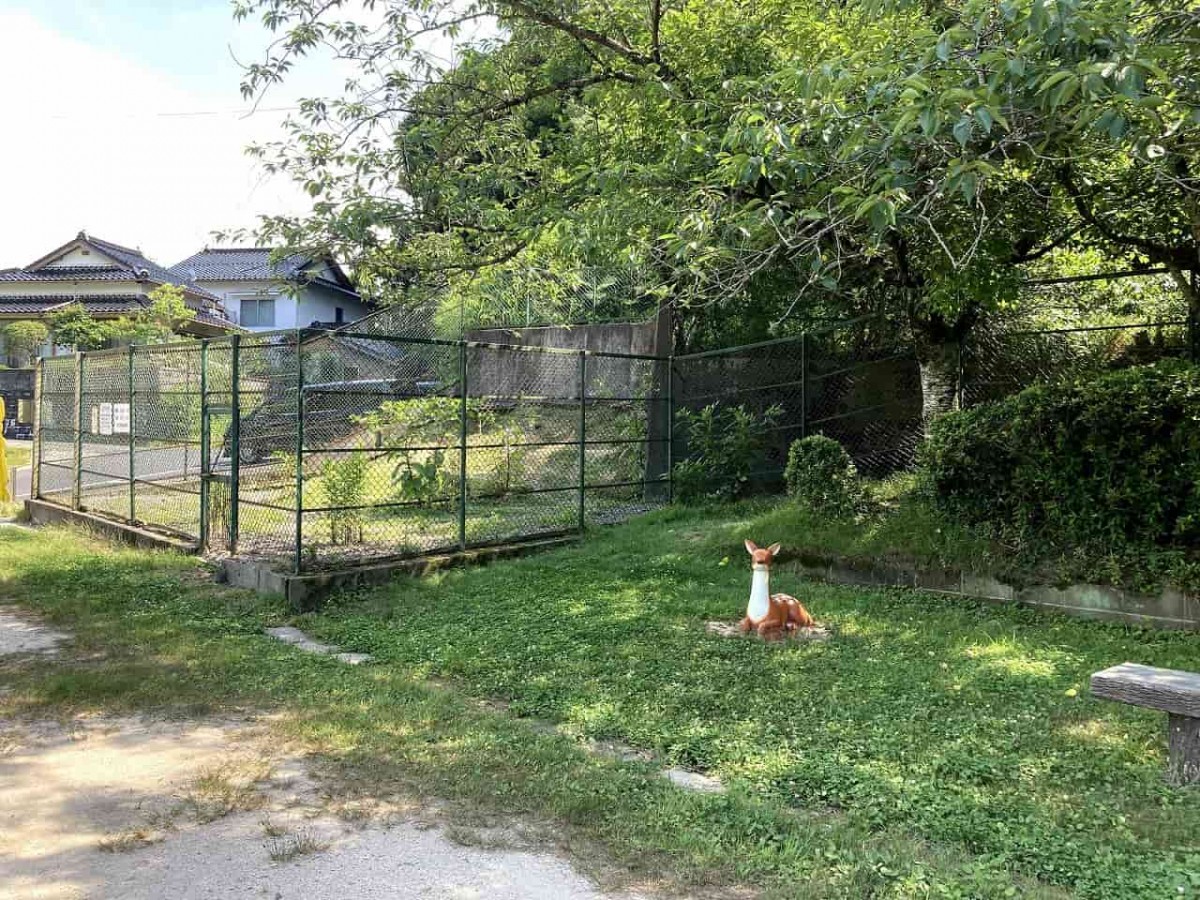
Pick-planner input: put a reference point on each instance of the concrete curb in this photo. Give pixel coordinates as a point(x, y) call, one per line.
point(305, 593)
point(1170, 609)
point(43, 513)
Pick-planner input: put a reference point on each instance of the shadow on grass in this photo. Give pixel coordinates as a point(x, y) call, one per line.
point(950, 718)
point(879, 764)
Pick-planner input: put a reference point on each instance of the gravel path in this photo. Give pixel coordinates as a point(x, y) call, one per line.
point(124, 808)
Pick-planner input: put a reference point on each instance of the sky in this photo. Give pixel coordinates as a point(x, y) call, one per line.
point(124, 118)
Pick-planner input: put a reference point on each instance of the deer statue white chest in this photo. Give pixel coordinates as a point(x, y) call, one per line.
point(772, 616)
point(760, 594)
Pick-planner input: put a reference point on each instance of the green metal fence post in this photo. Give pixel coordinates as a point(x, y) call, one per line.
point(804, 385)
point(671, 428)
point(205, 447)
point(582, 440)
point(39, 417)
point(1193, 319)
point(132, 490)
point(77, 491)
point(299, 549)
point(235, 439)
point(462, 445)
point(960, 395)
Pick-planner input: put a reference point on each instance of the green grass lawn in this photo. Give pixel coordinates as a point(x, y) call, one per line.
point(932, 748)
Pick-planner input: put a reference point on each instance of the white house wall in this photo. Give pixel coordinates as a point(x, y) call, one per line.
point(81, 256)
point(316, 303)
point(320, 304)
point(232, 292)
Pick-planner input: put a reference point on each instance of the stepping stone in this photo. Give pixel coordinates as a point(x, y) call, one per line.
point(302, 641)
point(694, 781)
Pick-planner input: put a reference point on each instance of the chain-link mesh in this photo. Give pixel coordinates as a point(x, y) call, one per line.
point(865, 392)
point(323, 449)
point(381, 460)
point(400, 458)
point(855, 384)
point(845, 383)
point(165, 432)
point(57, 429)
point(104, 450)
point(266, 438)
point(997, 362)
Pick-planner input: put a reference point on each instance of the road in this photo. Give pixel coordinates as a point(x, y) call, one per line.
point(106, 464)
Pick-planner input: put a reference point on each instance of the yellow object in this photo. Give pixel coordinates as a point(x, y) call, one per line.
point(4, 495)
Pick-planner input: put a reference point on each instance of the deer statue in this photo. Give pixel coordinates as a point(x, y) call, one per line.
point(771, 615)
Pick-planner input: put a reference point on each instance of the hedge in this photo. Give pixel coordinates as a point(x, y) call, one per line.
point(1108, 461)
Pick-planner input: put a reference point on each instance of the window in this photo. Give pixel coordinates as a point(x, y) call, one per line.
point(258, 313)
point(339, 315)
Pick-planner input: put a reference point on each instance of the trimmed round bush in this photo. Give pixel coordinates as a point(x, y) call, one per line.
point(1110, 461)
point(821, 475)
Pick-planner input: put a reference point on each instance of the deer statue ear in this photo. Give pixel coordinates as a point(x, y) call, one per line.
point(750, 546)
point(774, 548)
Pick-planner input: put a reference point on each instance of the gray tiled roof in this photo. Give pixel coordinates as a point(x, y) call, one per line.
point(254, 264)
point(95, 304)
point(136, 261)
point(239, 264)
point(128, 265)
point(69, 273)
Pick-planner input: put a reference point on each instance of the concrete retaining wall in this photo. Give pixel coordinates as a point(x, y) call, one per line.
point(1171, 609)
point(511, 374)
point(306, 592)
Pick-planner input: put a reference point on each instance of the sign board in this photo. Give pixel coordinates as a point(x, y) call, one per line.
point(120, 418)
point(106, 418)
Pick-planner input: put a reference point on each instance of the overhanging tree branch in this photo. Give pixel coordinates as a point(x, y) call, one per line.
point(1164, 253)
point(522, 10)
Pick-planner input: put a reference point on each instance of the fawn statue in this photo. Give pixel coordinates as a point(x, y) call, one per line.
point(772, 616)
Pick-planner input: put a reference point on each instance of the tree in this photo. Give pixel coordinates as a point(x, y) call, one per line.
point(159, 322)
point(22, 340)
point(74, 327)
point(772, 162)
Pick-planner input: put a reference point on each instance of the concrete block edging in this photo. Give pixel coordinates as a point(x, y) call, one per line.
point(1169, 609)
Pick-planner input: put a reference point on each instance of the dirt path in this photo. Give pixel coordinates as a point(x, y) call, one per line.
point(131, 808)
point(21, 634)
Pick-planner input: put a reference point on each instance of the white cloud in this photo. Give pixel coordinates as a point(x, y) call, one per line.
point(82, 146)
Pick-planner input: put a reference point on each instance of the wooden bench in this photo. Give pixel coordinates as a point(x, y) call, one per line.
point(1174, 692)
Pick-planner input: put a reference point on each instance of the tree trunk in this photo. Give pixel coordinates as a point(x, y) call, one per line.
point(939, 380)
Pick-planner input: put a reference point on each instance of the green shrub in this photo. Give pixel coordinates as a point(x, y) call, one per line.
point(723, 443)
point(345, 482)
point(821, 476)
point(422, 476)
point(1109, 462)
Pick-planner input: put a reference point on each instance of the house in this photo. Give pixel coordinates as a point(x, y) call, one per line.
point(258, 294)
point(108, 280)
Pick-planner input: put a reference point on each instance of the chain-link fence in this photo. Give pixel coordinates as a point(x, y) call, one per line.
point(333, 448)
point(856, 383)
